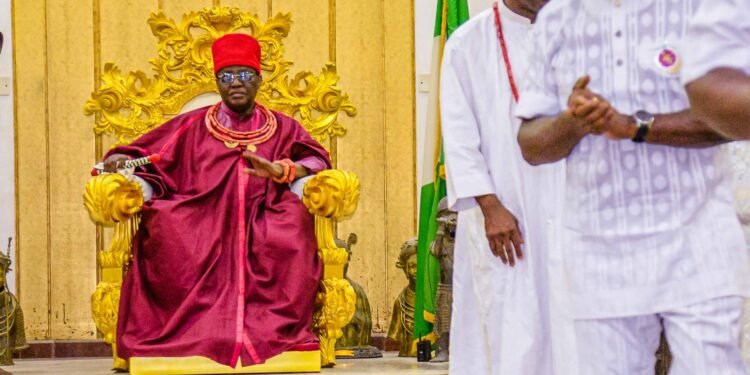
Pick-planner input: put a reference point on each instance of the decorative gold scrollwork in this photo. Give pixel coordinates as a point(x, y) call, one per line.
point(337, 301)
point(332, 193)
point(131, 105)
point(112, 198)
point(105, 303)
point(104, 306)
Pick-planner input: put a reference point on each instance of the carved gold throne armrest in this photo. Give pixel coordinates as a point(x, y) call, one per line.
point(114, 201)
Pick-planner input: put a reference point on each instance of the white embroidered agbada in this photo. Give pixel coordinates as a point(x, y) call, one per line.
point(648, 227)
point(650, 234)
point(501, 315)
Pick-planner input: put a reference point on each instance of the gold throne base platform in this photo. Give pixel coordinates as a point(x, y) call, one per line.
point(291, 361)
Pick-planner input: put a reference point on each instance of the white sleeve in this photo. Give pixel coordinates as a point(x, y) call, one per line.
point(148, 190)
point(467, 172)
point(539, 92)
point(718, 36)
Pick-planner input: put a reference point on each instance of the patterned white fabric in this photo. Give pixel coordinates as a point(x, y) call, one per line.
point(501, 322)
point(739, 155)
point(719, 35)
point(702, 339)
point(722, 30)
point(648, 228)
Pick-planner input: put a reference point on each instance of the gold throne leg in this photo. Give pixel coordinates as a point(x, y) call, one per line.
point(336, 302)
point(112, 200)
point(104, 306)
point(332, 195)
point(105, 301)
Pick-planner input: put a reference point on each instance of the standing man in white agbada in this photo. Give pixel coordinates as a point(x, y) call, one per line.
point(717, 67)
point(650, 236)
point(500, 322)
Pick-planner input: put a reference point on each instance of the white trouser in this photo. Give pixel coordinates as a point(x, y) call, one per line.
point(746, 332)
point(704, 340)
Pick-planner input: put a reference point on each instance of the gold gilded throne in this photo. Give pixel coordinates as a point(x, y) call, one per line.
point(127, 106)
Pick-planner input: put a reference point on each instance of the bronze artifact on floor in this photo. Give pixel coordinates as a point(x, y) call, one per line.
point(357, 339)
point(442, 249)
point(12, 333)
point(401, 328)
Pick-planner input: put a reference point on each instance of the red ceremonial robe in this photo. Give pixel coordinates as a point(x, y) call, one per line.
point(225, 264)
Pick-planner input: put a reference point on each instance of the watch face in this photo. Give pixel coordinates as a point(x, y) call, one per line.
point(644, 117)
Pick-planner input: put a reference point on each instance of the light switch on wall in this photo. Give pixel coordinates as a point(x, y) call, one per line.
point(4, 86)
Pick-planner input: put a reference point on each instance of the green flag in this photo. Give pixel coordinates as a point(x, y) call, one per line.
point(450, 15)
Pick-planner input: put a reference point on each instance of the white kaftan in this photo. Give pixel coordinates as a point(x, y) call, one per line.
point(650, 230)
point(501, 315)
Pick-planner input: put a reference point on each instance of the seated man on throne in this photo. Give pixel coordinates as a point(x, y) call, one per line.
point(224, 264)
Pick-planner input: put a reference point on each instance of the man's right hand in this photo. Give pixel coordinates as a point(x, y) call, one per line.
point(504, 236)
point(113, 162)
point(592, 111)
point(262, 167)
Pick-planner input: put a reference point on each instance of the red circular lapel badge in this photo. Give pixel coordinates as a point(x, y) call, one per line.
point(668, 61)
point(667, 58)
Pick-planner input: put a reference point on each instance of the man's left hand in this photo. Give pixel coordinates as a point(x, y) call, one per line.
point(262, 167)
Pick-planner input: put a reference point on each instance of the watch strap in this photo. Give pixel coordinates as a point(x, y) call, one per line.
point(640, 135)
point(643, 120)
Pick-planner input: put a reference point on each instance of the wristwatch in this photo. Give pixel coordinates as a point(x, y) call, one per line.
point(643, 120)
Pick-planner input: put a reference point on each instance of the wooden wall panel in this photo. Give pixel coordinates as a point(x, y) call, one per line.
point(359, 37)
point(400, 137)
point(259, 7)
point(73, 263)
point(176, 8)
point(32, 158)
point(307, 43)
point(127, 41)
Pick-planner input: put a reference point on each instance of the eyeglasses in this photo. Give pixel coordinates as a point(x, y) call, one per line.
point(244, 76)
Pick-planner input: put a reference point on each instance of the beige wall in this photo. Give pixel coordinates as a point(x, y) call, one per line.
point(7, 167)
point(61, 46)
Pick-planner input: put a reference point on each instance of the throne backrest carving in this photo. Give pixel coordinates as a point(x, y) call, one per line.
point(129, 105)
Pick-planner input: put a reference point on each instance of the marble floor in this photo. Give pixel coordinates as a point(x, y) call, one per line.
point(389, 364)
